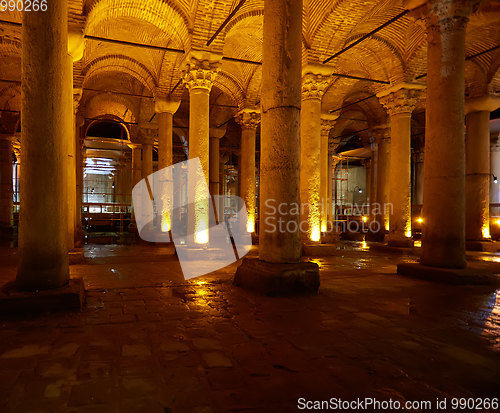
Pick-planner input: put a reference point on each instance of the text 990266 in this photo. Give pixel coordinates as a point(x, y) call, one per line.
point(23, 5)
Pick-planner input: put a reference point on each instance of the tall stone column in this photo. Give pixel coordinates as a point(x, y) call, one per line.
point(279, 268)
point(477, 166)
point(310, 160)
point(367, 163)
point(327, 123)
point(333, 160)
point(477, 179)
point(80, 142)
point(165, 109)
point(248, 120)
point(399, 102)
point(43, 240)
point(136, 174)
point(495, 170)
point(216, 135)
point(443, 228)
point(373, 183)
point(6, 187)
point(382, 209)
point(147, 140)
point(200, 74)
point(418, 160)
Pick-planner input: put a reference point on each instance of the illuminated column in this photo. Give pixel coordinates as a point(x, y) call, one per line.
point(399, 102)
point(495, 170)
point(6, 186)
point(249, 120)
point(165, 109)
point(373, 183)
point(43, 240)
point(367, 163)
point(79, 122)
point(147, 140)
point(310, 159)
point(382, 209)
point(333, 160)
point(327, 123)
point(216, 135)
point(199, 78)
point(280, 130)
point(443, 228)
point(136, 162)
point(418, 160)
point(477, 179)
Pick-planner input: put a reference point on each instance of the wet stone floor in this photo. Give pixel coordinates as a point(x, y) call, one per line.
point(149, 342)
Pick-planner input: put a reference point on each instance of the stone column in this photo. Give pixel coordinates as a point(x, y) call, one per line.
point(165, 109)
point(334, 160)
point(367, 163)
point(43, 240)
point(477, 166)
point(279, 268)
point(310, 160)
point(136, 162)
point(418, 160)
point(199, 77)
point(6, 187)
point(248, 120)
point(382, 210)
point(373, 183)
point(80, 142)
point(216, 135)
point(327, 123)
point(443, 228)
point(495, 170)
point(147, 140)
point(400, 101)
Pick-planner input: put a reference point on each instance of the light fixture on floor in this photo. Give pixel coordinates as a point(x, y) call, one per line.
point(495, 180)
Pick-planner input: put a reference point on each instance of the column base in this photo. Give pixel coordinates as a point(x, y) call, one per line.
point(276, 278)
point(69, 297)
point(467, 276)
point(485, 246)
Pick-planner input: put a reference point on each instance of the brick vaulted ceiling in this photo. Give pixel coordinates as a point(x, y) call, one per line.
point(120, 80)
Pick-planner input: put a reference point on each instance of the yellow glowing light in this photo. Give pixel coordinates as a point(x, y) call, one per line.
point(408, 234)
point(498, 221)
point(201, 237)
point(420, 220)
point(486, 232)
point(387, 226)
point(365, 219)
point(250, 223)
point(165, 222)
point(315, 235)
point(323, 227)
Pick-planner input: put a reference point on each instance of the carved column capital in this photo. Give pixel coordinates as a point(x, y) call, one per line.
point(147, 136)
point(77, 96)
point(248, 119)
point(313, 86)
point(366, 162)
point(327, 123)
point(417, 155)
point(201, 69)
point(382, 134)
point(401, 99)
point(495, 142)
point(446, 15)
point(335, 161)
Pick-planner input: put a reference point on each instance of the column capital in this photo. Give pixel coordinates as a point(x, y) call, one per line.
point(147, 136)
point(217, 133)
point(450, 14)
point(495, 142)
point(77, 96)
point(485, 103)
point(134, 145)
point(401, 98)
point(163, 105)
point(313, 85)
point(200, 69)
point(382, 134)
point(336, 160)
point(417, 155)
point(248, 118)
point(327, 123)
point(366, 162)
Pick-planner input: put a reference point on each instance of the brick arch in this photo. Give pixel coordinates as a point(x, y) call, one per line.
point(393, 48)
point(166, 15)
point(230, 86)
point(10, 47)
point(113, 99)
point(109, 117)
point(9, 92)
point(119, 63)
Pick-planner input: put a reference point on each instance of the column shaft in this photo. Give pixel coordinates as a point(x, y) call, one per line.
point(443, 229)
point(6, 185)
point(495, 170)
point(280, 131)
point(477, 181)
point(147, 159)
point(373, 184)
point(43, 246)
point(324, 201)
point(383, 207)
point(248, 174)
point(400, 180)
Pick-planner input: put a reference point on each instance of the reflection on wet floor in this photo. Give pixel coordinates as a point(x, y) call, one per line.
point(203, 345)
